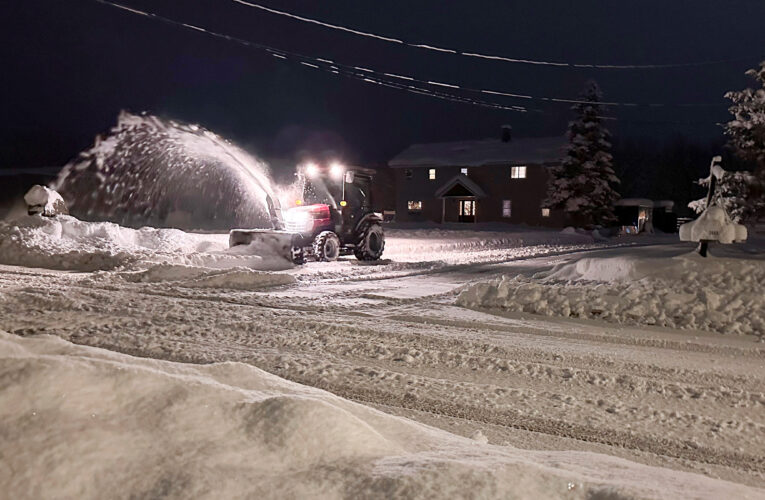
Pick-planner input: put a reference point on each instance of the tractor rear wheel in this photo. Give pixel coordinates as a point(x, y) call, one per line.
point(370, 243)
point(326, 246)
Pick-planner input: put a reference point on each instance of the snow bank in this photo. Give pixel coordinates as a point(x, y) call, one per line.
point(725, 295)
point(78, 422)
point(191, 276)
point(67, 243)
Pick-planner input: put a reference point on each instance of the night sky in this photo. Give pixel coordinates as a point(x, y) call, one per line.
point(68, 67)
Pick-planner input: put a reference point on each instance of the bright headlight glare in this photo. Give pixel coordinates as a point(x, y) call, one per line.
point(311, 170)
point(336, 171)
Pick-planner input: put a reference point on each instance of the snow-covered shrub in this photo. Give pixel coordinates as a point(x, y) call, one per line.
point(731, 194)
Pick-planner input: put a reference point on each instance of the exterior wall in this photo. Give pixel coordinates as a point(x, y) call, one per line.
point(526, 195)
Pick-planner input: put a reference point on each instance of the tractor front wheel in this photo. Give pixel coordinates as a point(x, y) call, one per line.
point(326, 246)
point(370, 243)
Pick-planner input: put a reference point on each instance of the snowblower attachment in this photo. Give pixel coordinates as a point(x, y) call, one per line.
point(272, 241)
point(268, 241)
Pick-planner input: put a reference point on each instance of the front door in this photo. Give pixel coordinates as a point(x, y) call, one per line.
point(467, 211)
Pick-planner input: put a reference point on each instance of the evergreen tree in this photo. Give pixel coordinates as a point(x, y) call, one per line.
point(584, 185)
point(747, 136)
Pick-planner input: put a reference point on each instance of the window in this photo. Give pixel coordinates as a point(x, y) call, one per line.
point(507, 208)
point(432, 174)
point(518, 172)
point(408, 173)
point(463, 171)
point(545, 212)
point(414, 206)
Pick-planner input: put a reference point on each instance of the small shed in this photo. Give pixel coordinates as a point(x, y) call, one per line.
point(635, 215)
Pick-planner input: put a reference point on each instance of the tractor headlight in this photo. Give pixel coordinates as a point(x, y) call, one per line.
point(336, 171)
point(298, 220)
point(311, 170)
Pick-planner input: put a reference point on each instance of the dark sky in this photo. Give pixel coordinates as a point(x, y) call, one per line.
point(68, 67)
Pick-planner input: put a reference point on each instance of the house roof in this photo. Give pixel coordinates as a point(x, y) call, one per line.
point(538, 150)
point(460, 181)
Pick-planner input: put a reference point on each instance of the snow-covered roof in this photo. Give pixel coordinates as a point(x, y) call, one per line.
point(664, 204)
point(464, 181)
point(634, 202)
point(482, 152)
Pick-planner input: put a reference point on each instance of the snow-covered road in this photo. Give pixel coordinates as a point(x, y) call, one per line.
point(390, 336)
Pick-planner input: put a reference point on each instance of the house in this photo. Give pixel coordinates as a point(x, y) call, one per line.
point(490, 180)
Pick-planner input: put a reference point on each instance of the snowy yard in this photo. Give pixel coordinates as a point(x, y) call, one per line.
point(467, 363)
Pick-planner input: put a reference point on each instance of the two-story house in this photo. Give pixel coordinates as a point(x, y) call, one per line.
point(490, 180)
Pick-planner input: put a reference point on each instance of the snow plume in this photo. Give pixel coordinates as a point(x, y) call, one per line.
point(150, 171)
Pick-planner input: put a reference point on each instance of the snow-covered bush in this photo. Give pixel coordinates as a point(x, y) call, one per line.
point(45, 201)
point(584, 185)
point(731, 194)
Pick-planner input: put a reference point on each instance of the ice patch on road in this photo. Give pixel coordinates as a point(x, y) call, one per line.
point(66, 243)
point(725, 295)
point(86, 420)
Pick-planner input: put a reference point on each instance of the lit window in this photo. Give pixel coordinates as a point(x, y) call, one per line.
point(463, 171)
point(408, 173)
point(432, 174)
point(518, 172)
point(507, 208)
point(414, 206)
point(545, 212)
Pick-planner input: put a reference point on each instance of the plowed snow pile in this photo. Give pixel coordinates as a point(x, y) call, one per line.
point(725, 295)
point(66, 243)
point(81, 422)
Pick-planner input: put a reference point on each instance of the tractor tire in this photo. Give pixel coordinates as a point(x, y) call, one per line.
point(326, 246)
point(370, 243)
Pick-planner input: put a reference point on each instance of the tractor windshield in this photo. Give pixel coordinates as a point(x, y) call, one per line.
point(322, 190)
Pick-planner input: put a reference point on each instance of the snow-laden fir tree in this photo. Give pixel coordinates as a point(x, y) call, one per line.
point(731, 193)
point(584, 185)
point(747, 136)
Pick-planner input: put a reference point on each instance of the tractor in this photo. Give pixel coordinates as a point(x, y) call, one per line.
point(331, 217)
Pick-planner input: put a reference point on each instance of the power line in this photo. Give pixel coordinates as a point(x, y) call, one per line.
point(318, 63)
point(370, 76)
point(381, 75)
point(478, 55)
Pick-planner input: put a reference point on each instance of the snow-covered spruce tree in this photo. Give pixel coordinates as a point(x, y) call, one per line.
point(731, 193)
point(747, 137)
point(584, 185)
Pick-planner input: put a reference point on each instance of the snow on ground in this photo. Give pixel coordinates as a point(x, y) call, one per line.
point(79, 421)
point(387, 335)
point(66, 243)
point(637, 286)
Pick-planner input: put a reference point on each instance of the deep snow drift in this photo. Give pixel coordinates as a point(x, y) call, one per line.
point(150, 171)
point(63, 242)
point(725, 295)
point(79, 421)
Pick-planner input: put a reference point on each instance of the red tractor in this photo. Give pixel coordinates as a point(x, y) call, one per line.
point(332, 217)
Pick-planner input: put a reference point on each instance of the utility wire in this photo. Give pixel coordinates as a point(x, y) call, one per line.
point(321, 64)
point(487, 56)
point(381, 75)
point(370, 76)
